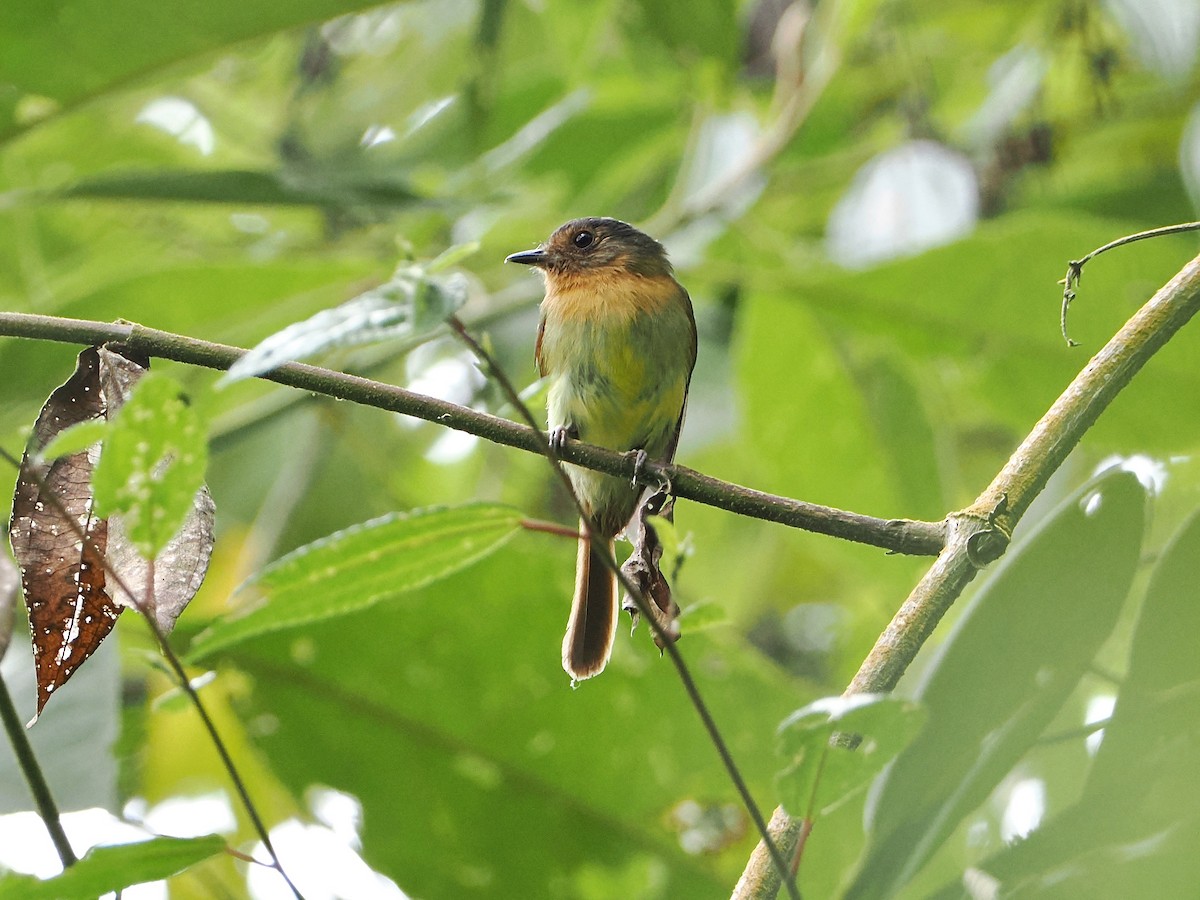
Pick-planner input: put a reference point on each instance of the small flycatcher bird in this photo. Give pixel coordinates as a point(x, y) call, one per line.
point(617, 341)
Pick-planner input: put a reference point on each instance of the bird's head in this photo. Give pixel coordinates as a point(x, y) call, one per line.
point(597, 246)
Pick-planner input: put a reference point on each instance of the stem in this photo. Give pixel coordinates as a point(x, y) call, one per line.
point(980, 534)
point(550, 528)
point(32, 771)
point(239, 785)
point(1075, 266)
point(895, 535)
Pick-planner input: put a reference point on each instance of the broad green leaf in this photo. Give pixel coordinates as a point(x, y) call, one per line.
point(74, 439)
point(1163, 862)
point(901, 425)
point(65, 57)
point(995, 334)
point(1140, 792)
point(823, 771)
point(363, 565)
point(814, 436)
point(152, 464)
point(1160, 694)
point(1014, 657)
point(456, 693)
point(106, 869)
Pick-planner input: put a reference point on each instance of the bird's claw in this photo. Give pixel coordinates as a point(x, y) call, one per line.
point(559, 435)
point(660, 483)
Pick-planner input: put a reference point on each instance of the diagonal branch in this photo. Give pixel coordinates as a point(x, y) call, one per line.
point(980, 533)
point(896, 535)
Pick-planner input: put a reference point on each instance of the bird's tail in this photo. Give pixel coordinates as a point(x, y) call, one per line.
point(593, 623)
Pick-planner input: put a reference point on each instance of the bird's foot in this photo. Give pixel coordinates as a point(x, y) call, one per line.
point(660, 483)
point(559, 435)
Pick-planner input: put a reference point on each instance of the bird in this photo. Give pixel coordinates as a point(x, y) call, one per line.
point(617, 345)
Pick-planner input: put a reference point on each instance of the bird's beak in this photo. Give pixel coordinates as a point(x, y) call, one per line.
point(528, 257)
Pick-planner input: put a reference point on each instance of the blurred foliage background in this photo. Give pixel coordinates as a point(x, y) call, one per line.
point(870, 202)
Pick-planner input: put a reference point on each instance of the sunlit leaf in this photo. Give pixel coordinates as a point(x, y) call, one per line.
point(363, 565)
point(152, 464)
point(75, 439)
point(823, 770)
point(106, 869)
point(411, 302)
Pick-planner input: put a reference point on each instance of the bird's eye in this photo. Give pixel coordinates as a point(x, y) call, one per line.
point(583, 239)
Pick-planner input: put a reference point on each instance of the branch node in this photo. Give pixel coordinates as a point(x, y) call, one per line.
point(988, 532)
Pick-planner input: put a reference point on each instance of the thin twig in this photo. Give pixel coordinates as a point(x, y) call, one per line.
point(34, 777)
point(1075, 266)
point(894, 535)
point(664, 640)
point(147, 615)
point(980, 533)
point(550, 528)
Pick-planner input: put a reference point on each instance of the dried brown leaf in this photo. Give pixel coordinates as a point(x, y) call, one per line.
point(63, 575)
point(10, 580)
point(178, 570)
point(643, 569)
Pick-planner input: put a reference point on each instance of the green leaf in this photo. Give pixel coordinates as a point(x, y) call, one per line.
point(1009, 360)
point(363, 565)
point(691, 29)
point(905, 436)
point(674, 545)
point(1014, 657)
point(69, 55)
point(457, 691)
point(1154, 732)
point(74, 439)
point(152, 463)
point(823, 772)
point(106, 869)
point(411, 302)
point(841, 463)
point(281, 188)
point(452, 256)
